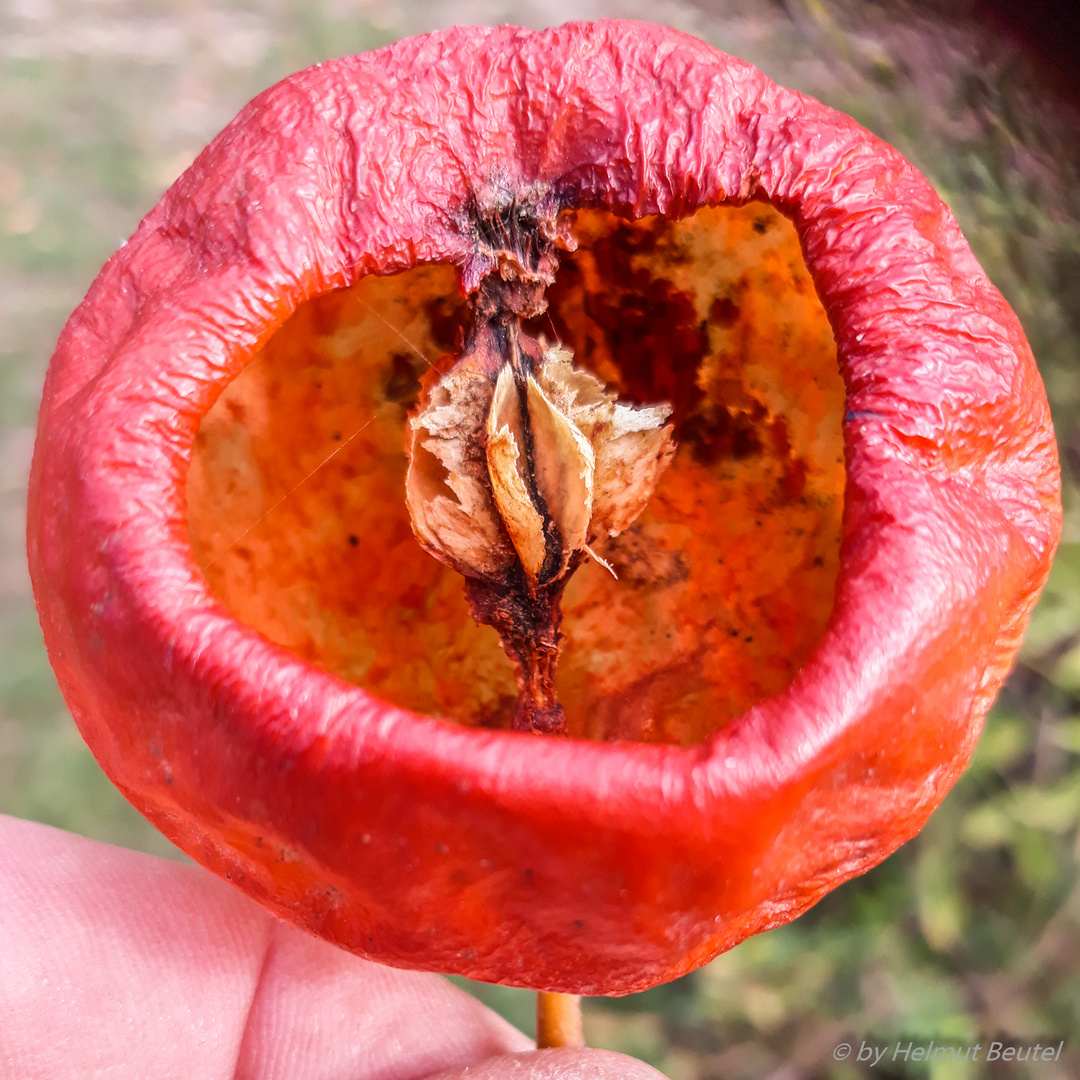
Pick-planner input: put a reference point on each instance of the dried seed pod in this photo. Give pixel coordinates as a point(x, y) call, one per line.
point(551, 461)
point(451, 503)
point(631, 445)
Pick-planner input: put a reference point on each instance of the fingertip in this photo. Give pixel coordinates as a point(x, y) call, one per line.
point(560, 1064)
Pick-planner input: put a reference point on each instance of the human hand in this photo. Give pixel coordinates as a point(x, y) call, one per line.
point(117, 963)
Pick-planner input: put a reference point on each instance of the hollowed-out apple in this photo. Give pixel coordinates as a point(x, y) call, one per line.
point(811, 614)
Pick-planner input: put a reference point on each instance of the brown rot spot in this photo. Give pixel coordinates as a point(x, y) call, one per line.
point(639, 316)
point(447, 320)
point(724, 312)
point(402, 380)
point(716, 434)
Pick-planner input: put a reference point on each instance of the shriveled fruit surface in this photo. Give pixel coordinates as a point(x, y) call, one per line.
point(579, 865)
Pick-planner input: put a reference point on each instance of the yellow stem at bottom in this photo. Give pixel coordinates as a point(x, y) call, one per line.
point(558, 1020)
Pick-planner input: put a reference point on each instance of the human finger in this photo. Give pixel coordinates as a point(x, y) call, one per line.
point(562, 1064)
point(116, 962)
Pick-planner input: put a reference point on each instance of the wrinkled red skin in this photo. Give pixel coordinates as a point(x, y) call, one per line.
point(559, 864)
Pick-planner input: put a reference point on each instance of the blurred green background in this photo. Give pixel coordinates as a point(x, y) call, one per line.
point(972, 931)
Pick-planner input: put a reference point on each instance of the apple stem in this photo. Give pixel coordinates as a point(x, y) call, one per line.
point(558, 1020)
point(528, 624)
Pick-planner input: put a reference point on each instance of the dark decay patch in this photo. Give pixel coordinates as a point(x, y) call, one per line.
point(497, 716)
point(642, 564)
point(716, 433)
point(324, 317)
point(657, 321)
point(657, 341)
point(448, 317)
point(655, 336)
point(793, 484)
point(724, 312)
point(402, 383)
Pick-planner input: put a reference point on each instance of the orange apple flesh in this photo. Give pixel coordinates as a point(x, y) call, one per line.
point(725, 583)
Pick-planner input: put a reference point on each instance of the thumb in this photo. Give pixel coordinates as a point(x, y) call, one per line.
point(563, 1064)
